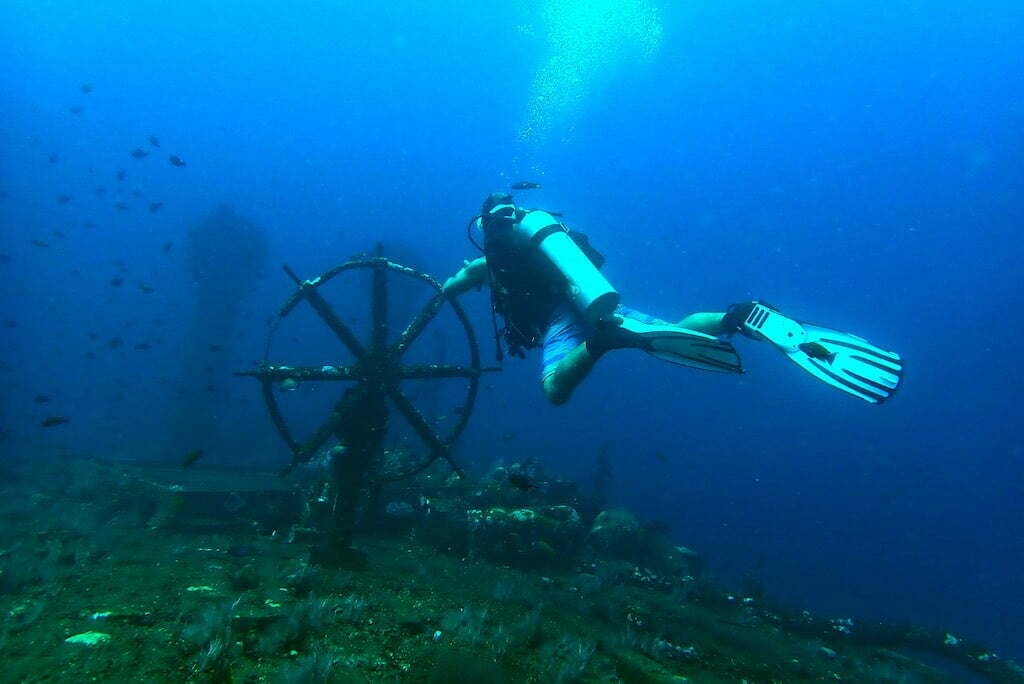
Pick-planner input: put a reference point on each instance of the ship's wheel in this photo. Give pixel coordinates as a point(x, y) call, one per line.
point(376, 378)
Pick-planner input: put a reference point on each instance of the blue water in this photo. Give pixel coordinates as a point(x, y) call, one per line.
point(858, 164)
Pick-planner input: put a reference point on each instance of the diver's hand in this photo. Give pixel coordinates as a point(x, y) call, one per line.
point(449, 288)
point(472, 274)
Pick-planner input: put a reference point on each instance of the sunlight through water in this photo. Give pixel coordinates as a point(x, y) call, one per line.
point(587, 40)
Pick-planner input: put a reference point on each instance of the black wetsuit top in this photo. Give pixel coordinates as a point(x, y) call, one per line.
point(525, 285)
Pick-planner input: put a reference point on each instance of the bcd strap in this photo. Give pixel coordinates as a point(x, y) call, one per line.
point(543, 233)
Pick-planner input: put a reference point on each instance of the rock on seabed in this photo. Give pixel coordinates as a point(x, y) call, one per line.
point(88, 639)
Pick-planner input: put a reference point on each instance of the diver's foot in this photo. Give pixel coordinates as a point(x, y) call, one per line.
point(614, 334)
point(846, 362)
point(681, 346)
point(735, 316)
point(685, 347)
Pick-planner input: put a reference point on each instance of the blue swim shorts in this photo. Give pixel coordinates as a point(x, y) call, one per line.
point(566, 329)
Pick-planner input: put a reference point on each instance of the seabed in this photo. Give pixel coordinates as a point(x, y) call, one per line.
point(111, 572)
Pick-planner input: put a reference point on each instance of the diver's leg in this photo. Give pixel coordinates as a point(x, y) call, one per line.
point(707, 323)
point(568, 374)
point(571, 347)
point(566, 359)
point(695, 345)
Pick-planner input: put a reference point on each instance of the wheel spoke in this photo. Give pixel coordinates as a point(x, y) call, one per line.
point(269, 373)
point(379, 306)
point(420, 427)
point(376, 371)
point(333, 426)
point(430, 371)
point(275, 415)
point(414, 329)
point(325, 311)
point(323, 433)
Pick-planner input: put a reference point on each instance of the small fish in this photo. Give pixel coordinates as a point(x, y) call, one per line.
point(167, 247)
point(816, 350)
point(508, 437)
point(116, 282)
point(90, 355)
point(53, 158)
point(137, 194)
point(115, 342)
point(143, 346)
point(39, 243)
point(5, 258)
point(10, 324)
point(176, 160)
point(121, 205)
point(86, 88)
point(63, 199)
point(93, 336)
point(216, 347)
point(121, 175)
point(191, 457)
point(148, 289)
point(100, 191)
point(154, 141)
point(155, 207)
point(521, 482)
point(139, 153)
point(89, 224)
point(660, 457)
point(41, 399)
point(54, 421)
point(77, 110)
point(525, 185)
point(59, 234)
point(118, 396)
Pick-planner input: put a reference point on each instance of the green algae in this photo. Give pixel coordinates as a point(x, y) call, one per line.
point(418, 612)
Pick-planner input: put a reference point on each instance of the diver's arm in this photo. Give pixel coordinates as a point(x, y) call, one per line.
point(473, 274)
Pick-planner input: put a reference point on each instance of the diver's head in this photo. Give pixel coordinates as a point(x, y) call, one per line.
point(499, 206)
point(499, 212)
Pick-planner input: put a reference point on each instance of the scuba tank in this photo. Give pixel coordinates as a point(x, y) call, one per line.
point(533, 261)
point(590, 292)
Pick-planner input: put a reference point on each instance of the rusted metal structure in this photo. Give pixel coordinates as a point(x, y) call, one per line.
point(360, 418)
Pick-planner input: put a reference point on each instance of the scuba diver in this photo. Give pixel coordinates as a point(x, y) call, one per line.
point(546, 284)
